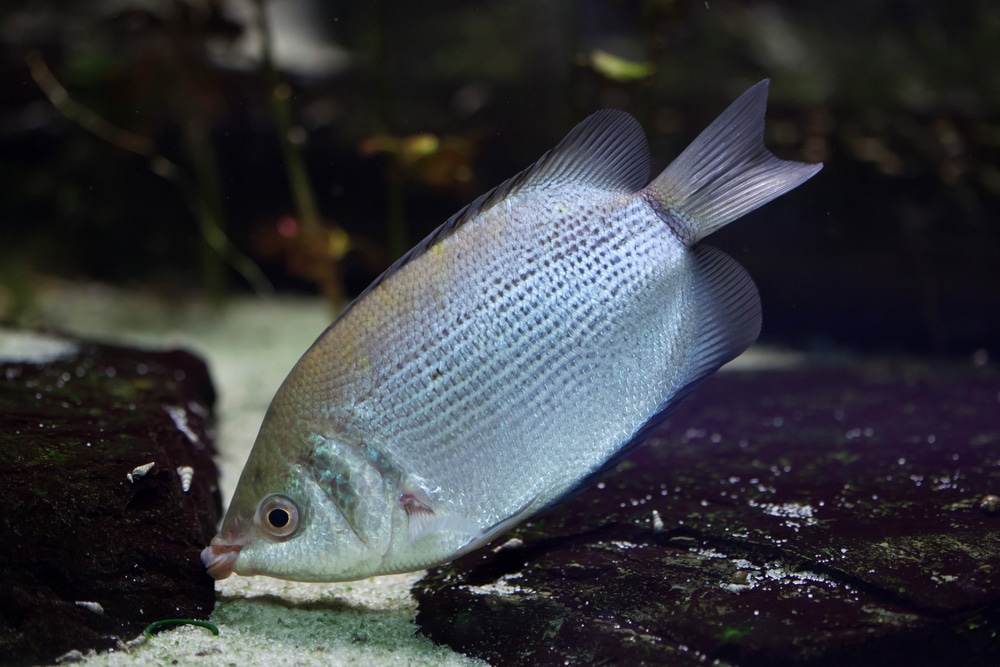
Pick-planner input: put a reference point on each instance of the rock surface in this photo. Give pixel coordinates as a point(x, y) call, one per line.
point(826, 516)
point(90, 556)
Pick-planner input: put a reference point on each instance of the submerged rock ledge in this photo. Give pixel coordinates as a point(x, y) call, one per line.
point(97, 544)
point(823, 516)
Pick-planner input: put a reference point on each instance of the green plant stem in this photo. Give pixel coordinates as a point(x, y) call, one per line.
point(393, 176)
point(206, 169)
point(208, 224)
point(279, 95)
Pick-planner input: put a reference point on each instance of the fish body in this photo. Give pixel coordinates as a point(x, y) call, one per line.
point(516, 352)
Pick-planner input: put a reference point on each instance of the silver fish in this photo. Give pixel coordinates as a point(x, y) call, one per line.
point(517, 351)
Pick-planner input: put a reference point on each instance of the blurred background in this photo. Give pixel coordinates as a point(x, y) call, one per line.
point(206, 150)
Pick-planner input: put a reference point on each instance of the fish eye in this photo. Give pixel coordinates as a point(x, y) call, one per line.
point(278, 516)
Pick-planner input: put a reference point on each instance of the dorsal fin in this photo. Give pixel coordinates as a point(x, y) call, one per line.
point(607, 151)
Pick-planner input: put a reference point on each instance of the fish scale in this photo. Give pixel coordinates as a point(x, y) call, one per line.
point(522, 348)
point(487, 387)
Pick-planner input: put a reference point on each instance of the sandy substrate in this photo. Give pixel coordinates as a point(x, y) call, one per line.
point(250, 345)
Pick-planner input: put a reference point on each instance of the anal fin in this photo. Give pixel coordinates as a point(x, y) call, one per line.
point(498, 528)
point(728, 311)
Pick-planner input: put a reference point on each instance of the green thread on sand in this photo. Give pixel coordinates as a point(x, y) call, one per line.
point(178, 621)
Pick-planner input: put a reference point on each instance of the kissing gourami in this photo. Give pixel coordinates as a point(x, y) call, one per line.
point(519, 350)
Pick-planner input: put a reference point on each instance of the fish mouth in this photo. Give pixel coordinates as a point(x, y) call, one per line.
point(219, 558)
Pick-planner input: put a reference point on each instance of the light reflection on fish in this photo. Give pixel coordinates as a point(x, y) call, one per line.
point(521, 348)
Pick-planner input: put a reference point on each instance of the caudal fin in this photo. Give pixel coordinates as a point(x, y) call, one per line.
point(726, 172)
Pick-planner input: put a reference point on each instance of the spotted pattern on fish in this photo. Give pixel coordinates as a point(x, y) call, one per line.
point(517, 352)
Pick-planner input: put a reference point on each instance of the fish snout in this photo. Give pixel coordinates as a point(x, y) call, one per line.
point(219, 558)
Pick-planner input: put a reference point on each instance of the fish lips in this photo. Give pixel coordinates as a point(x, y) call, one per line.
point(220, 558)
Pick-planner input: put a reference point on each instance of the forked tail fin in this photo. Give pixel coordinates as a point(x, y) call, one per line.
point(726, 172)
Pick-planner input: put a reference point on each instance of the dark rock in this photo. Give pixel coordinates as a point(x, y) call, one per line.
point(823, 516)
point(89, 557)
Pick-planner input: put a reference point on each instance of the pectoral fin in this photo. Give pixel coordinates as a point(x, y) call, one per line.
point(425, 522)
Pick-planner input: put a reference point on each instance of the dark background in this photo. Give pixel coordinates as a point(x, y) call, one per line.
point(403, 112)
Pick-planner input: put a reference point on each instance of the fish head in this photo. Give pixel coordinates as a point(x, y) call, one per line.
point(309, 506)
